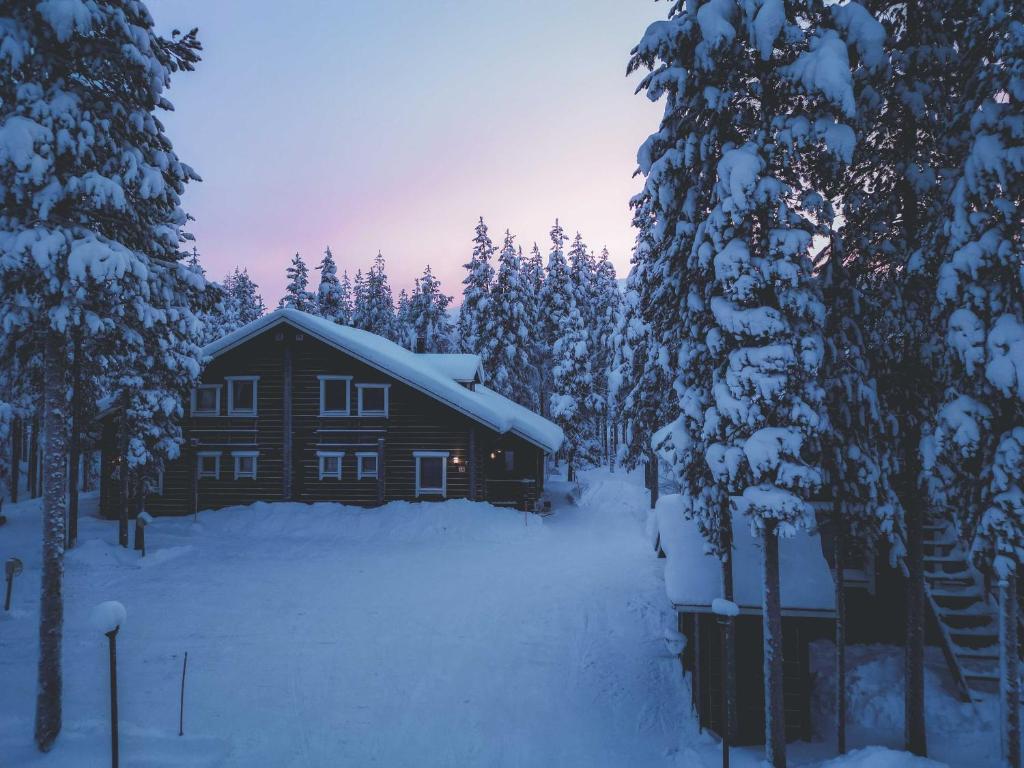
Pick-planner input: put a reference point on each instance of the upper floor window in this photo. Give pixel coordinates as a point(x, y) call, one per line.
point(373, 399)
point(242, 395)
point(334, 395)
point(206, 400)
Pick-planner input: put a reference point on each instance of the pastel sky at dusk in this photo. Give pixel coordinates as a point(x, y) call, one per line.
point(369, 125)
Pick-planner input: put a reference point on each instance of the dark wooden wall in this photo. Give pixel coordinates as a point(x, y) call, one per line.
point(415, 422)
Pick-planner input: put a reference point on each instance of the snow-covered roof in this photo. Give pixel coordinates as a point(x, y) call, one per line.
point(693, 578)
point(463, 368)
point(481, 404)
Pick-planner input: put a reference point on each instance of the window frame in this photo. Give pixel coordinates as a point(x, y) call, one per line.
point(193, 409)
point(360, 388)
point(324, 378)
point(321, 455)
point(200, 455)
point(360, 474)
point(443, 490)
point(254, 455)
point(232, 411)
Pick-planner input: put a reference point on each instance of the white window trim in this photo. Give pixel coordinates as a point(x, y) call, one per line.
point(255, 464)
point(348, 395)
point(193, 411)
point(158, 486)
point(199, 465)
point(232, 411)
point(321, 455)
point(387, 399)
point(443, 490)
point(360, 455)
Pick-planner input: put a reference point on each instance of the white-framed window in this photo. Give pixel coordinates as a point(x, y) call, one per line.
point(330, 464)
point(373, 399)
point(245, 464)
point(431, 473)
point(335, 394)
point(242, 392)
point(366, 464)
point(208, 465)
point(206, 400)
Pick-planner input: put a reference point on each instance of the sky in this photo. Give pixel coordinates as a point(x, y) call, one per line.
point(365, 125)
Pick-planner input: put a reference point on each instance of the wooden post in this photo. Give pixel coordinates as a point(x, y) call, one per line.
point(74, 449)
point(33, 459)
point(125, 500)
point(774, 710)
point(1009, 670)
point(729, 630)
point(654, 479)
point(915, 739)
point(840, 584)
point(381, 472)
point(112, 636)
point(287, 439)
point(16, 439)
point(471, 463)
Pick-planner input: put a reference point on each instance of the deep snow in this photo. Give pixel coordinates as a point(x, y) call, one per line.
point(450, 634)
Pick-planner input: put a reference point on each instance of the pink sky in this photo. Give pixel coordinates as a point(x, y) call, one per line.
point(365, 125)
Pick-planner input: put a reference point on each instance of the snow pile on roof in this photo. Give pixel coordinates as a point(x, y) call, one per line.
point(461, 367)
point(481, 404)
point(694, 578)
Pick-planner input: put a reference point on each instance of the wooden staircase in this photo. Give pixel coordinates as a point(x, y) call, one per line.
point(967, 621)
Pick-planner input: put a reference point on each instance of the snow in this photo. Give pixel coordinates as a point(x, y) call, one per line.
point(715, 20)
point(433, 634)
point(461, 367)
point(825, 69)
point(767, 24)
point(862, 30)
point(490, 408)
point(721, 607)
point(693, 577)
point(108, 616)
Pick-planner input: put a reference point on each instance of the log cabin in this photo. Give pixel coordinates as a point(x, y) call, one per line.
point(293, 407)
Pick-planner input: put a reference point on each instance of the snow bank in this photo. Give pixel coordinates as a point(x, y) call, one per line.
point(880, 757)
point(694, 578)
point(497, 412)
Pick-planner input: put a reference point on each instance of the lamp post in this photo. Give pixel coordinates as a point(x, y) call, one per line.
point(108, 618)
point(12, 568)
point(725, 611)
point(142, 521)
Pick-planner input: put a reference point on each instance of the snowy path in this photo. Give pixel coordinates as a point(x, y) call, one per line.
point(447, 635)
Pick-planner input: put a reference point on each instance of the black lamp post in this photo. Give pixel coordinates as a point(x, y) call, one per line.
point(108, 618)
point(725, 611)
point(12, 568)
point(142, 521)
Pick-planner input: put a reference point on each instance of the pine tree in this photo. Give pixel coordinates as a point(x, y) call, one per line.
point(476, 291)
point(572, 391)
point(607, 300)
point(242, 299)
point(346, 299)
point(430, 326)
point(506, 352)
point(104, 264)
point(553, 303)
point(296, 292)
point(374, 310)
point(581, 274)
point(330, 297)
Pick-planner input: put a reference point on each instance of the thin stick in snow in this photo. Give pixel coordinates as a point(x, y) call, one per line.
point(181, 710)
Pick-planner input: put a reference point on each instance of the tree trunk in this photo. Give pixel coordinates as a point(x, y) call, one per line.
point(33, 459)
point(728, 592)
point(1009, 670)
point(840, 565)
point(915, 740)
point(774, 713)
point(51, 607)
point(16, 440)
point(74, 452)
point(122, 506)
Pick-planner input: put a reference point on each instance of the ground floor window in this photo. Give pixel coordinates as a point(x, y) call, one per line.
point(208, 465)
point(245, 464)
point(431, 472)
point(366, 465)
point(330, 464)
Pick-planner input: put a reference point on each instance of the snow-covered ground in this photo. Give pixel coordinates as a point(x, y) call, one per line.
point(450, 634)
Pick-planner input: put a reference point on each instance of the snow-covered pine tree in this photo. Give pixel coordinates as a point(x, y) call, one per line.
point(476, 291)
point(296, 293)
point(330, 298)
point(346, 299)
point(975, 454)
point(533, 266)
point(429, 325)
point(406, 337)
point(506, 351)
point(581, 272)
point(572, 391)
point(607, 301)
point(556, 294)
point(90, 229)
point(374, 310)
point(242, 298)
